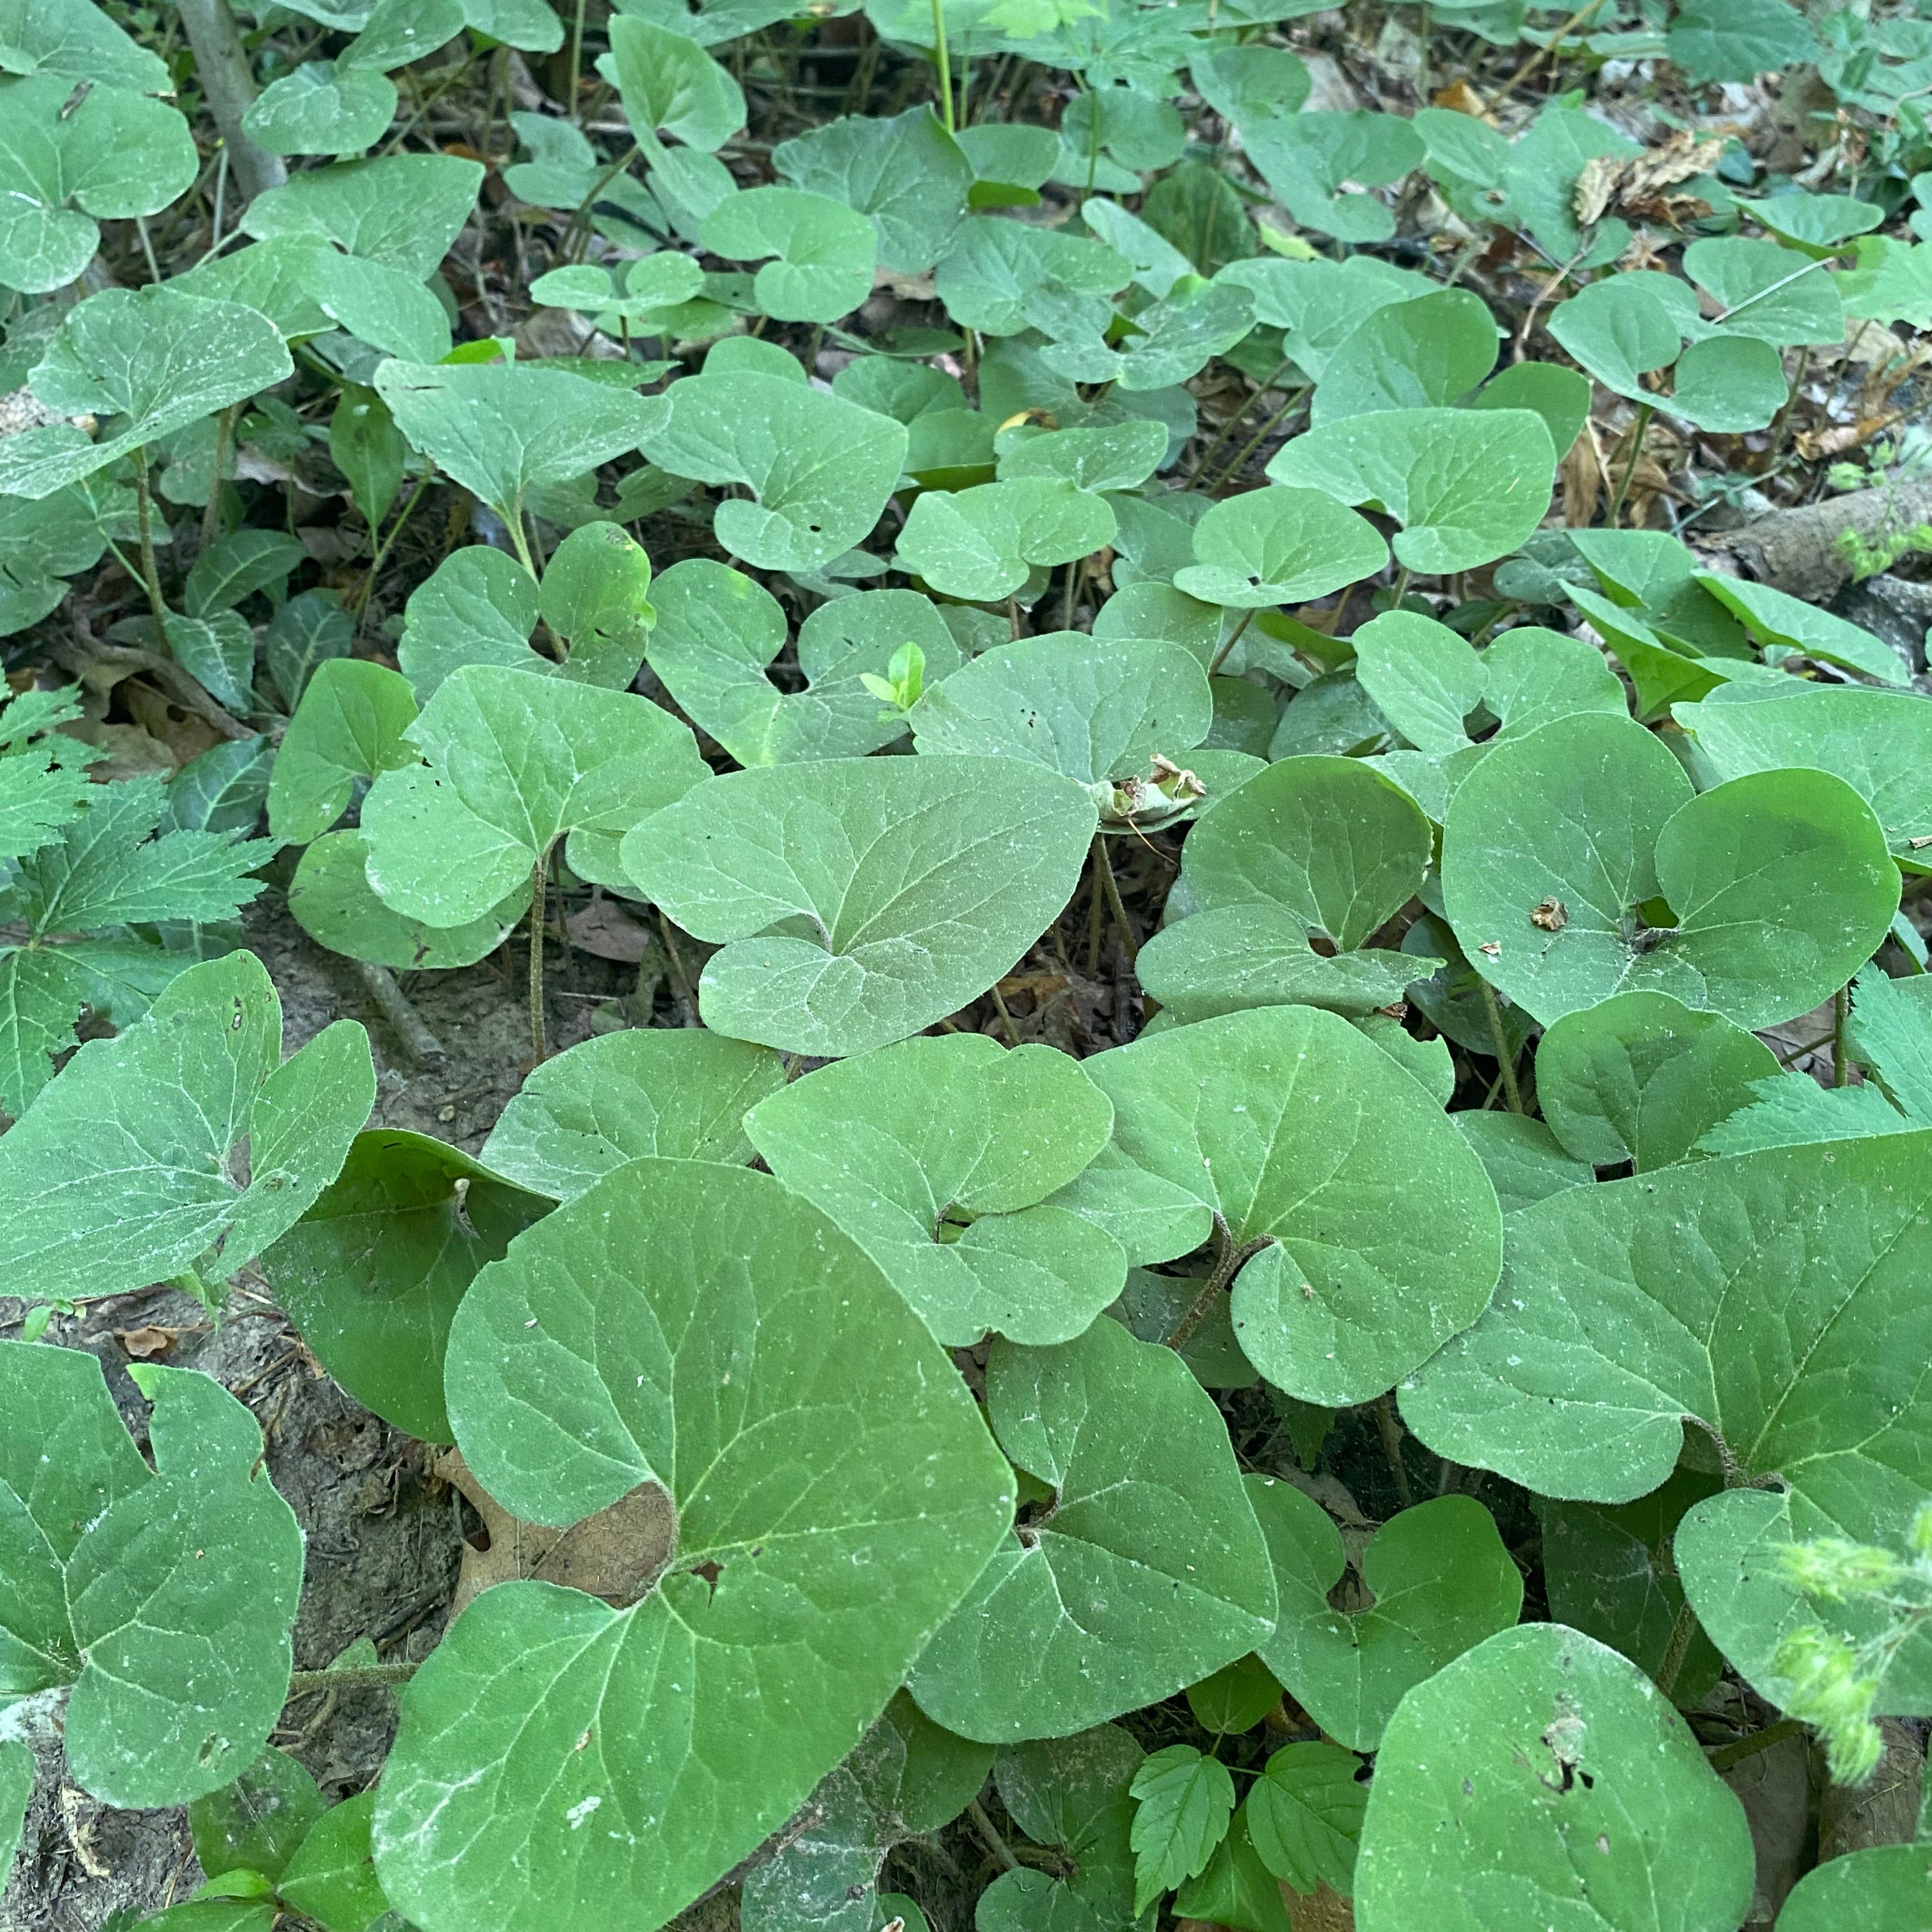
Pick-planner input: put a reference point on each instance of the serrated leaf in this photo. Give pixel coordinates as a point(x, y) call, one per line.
point(373, 1270)
point(1639, 1077)
point(1279, 545)
point(934, 1155)
point(1304, 1815)
point(505, 429)
point(1147, 1571)
point(681, 1095)
point(1775, 884)
point(1468, 486)
point(1186, 1801)
point(1735, 1294)
point(819, 470)
point(165, 1597)
point(859, 900)
point(513, 764)
point(1575, 1787)
point(1436, 1579)
point(979, 544)
point(349, 725)
point(717, 632)
point(886, 1514)
point(112, 154)
point(159, 357)
point(1312, 1144)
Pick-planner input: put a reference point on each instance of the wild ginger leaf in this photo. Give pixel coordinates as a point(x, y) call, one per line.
point(349, 725)
point(165, 1597)
point(1071, 1792)
point(753, 1344)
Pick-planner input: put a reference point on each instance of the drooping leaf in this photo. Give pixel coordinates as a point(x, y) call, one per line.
point(1542, 1776)
point(681, 1095)
point(349, 725)
point(1147, 1569)
point(1769, 892)
point(511, 764)
point(934, 1156)
point(1768, 1298)
point(164, 1596)
point(819, 470)
point(1774, 617)
point(859, 900)
point(727, 1339)
point(372, 1273)
point(1437, 1580)
point(159, 357)
point(1639, 1077)
point(1468, 486)
point(117, 1173)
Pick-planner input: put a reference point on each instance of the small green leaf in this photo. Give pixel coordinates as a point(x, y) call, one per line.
point(681, 1095)
point(907, 173)
point(826, 251)
point(165, 1597)
point(1304, 1815)
point(1278, 546)
point(1881, 1886)
point(859, 900)
point(1307, 158)
point(1070, 1793)
point(309, 629)
point(1620, 330)
point(1186, 1801)
point(1147, 1571)
point(1236, 1698)
point(1779, 295)
point(256, 1823)
point(349, 725)
point(1737, 40)
point(978, 544)
point(324, 107)
point(596, 596)
point(997, 269)
point(1575, 1788)
point(331, 898)
point(1435, 1581)
point(236, 566)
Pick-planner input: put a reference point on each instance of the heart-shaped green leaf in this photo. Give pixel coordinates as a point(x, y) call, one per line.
point(1090, 708)
point(1317, 305)
point(158, 358)
point(835, 1494)
point(1639, 1077)
point(1775, 293)
point(512, 763)
point(860, 900)
point(1071, 1793)
point(934, 1155)
point(1278, 546)
point(996, 270)
point(1774, 888)
point(1468, 486)
point(718, 632)
point(349, 725)
point(1307, 1143)
point(118, 1174)
point(1729, 384)
point(907, 173)
point(1118, 456)
point(403, 210)
point(826, 251)
point(1146, 1569)
point(1431, 1583)
point(1175, 339)
point(478, 606)
point(113, 155)
point(1307, 158)
point(331, 898)
point(1541, 1776)
point(79, 41)
point(1769, 1297)
point(1409, 355)
point(324, 107)
point(819, 468)
point(504, 430)
point(1619, 330)
point(164, 1596)
point(1881, 1886)
point(978, 544)
point(679, 1094)
point(670, 85)
point(372, 1273)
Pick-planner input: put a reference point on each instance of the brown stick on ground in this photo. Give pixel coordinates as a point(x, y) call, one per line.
point(1796, 550)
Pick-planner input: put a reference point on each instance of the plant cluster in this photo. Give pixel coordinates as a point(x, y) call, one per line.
point(873, 588)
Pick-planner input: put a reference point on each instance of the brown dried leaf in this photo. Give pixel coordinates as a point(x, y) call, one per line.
point(1460, 97)
point(145, 1342)
point(605, 930)
point(1634, 185)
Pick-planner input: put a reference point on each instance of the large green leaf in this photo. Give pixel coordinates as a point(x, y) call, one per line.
point(907, 172)
point(504, 430)
point(1756, 900)
point(1540, 1779)
point(1468, 486)
point(859, 900)
point(76, 38)
point(1433, 1582)
point(117, 1175)
point(159, 357)
point(698, 1328)
point(826, 251)
point(1771, 1299)
point(1278, 546)
point(979, 544)
point(718, 630)
point(1378, 1233)
point(934, 1155)
point(1885, 1888)
point(403, 211)
point(511, 764)
point(820, 469)
point(1409, 355)
point(349, 725)
point(324, 107)
point(164, 1596)
point(1144, 1571)
point(1879, 743)
point(681, 1094)
point(1639, 1077)
point(372, 1273)
point(113, 155)
point(1763, 289)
